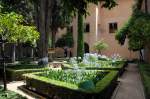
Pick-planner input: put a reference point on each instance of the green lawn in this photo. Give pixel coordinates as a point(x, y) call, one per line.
point(145, 73)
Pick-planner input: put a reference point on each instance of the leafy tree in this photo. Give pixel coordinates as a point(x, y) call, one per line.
point(100, 45)
point(12, 31)
point(22, 7)
point(137, 30)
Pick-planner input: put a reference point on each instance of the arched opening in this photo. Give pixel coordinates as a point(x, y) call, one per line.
point(86, 48)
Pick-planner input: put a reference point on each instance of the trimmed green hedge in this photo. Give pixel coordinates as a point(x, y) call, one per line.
point(15, 72)
point(119, 66)
point(145, 73)
point(51, 88)
point(10, 95)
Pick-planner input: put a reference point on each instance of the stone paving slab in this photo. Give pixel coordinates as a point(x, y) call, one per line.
point(130, 86)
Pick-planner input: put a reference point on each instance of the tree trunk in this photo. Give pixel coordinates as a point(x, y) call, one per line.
point(53, 39)
point(146, 7)
point(19, 51)
point(44, 29)
point(141, 56)
point(99, 52)
point(80, 44)
point(37, 16)
point(13, 53)
point(32, 52)
point(4, 67)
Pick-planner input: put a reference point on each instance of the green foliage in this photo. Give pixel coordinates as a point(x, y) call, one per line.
point(10, 95)
point(33, 80)
point(100, 65)
point(13, 31)
point(8, 25)
point(15, 72)
point(145, 73)
point(106, 82)
point(73, 76)
point(27, 34)
point(23, 7)
point(137, 29)
point(121, 33)
point(80, 6)
point(80, 42)
point(65, 40)
point(87, 85)
point(100, 45)
point(60, 16)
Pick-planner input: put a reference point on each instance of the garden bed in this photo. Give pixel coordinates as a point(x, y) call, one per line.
point(15, 72)
point(56, 85)
point(119, 66)
point(145, 74)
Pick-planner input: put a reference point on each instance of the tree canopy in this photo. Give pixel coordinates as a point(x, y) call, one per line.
point(136, 29)
point(80, 6)
point(13, 31)
point(22, 7)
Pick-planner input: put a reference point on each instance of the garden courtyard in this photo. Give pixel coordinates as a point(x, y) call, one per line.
point(78, 49)
point(129, 86)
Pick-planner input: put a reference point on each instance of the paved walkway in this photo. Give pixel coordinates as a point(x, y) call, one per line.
point(12, 86)
point(130, 86)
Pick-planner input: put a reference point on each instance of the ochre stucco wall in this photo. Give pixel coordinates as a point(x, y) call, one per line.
point(119, 14)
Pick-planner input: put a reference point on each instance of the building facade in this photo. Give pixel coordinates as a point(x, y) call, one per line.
point(102, 23)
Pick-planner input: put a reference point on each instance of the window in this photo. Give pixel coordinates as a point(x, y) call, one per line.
point(87, 28)
point(113, 27)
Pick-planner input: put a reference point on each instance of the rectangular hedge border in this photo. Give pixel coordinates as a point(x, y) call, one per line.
point(16, 75)
point(52, 88)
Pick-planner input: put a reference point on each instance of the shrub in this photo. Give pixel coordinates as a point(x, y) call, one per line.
point(145, 73)
point(100, 45)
